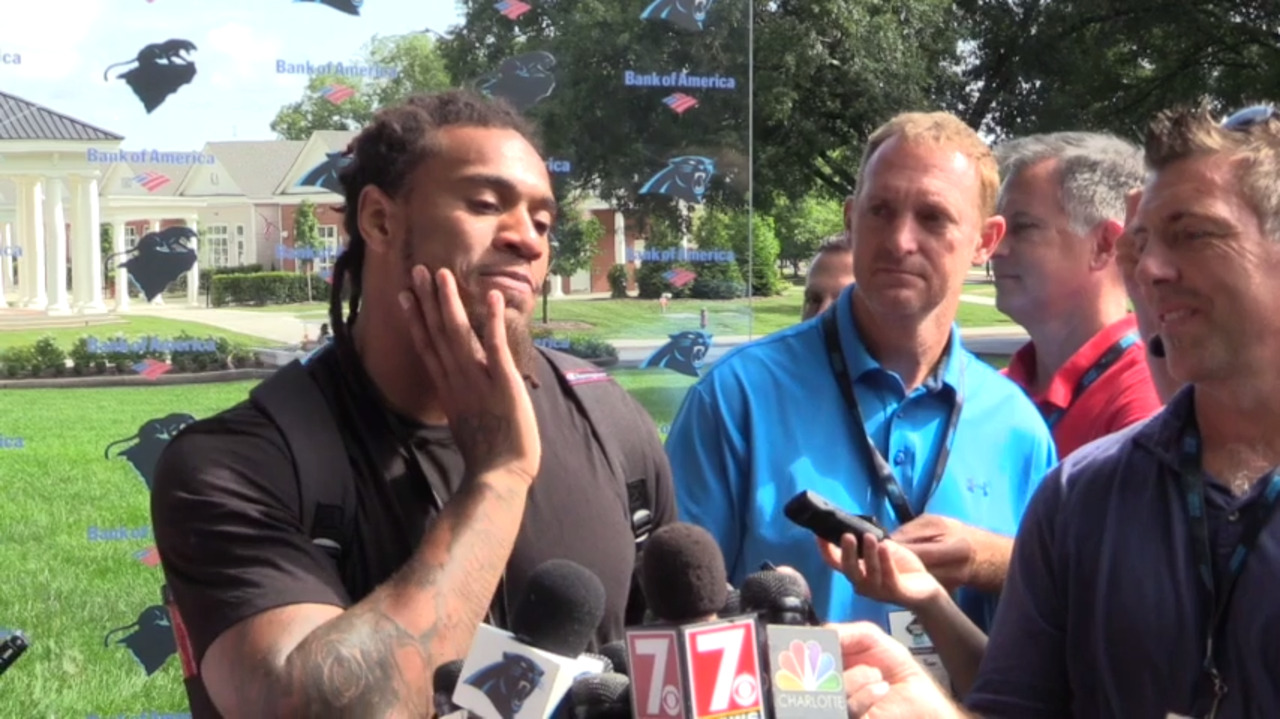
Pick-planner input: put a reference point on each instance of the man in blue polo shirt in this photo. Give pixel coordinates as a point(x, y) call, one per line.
point(1144, 579)
point(963, 445)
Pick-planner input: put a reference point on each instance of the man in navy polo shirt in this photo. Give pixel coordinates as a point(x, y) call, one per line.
point(1144, 575)
point(962, 447)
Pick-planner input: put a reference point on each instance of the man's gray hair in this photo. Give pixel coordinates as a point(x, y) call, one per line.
point(1095, 172)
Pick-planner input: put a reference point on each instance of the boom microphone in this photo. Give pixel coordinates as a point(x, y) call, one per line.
point(529, 670)
point(692, 666)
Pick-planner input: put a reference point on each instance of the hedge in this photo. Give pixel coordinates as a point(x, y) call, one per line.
point(119, 354)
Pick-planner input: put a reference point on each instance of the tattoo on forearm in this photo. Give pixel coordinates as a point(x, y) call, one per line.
point(366, 663)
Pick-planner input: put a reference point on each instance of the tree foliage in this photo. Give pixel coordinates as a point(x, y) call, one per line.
point(419, 66)
point(803, 224)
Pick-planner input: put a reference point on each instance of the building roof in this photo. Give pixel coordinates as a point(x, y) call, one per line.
point(256, 167)
point(25, 120)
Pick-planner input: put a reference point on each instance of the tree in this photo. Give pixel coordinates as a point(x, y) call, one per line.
point(827, 72)
point(802, 225)
point(419, 68)
point(306, 239)
point(575, 244)
point(106, 246)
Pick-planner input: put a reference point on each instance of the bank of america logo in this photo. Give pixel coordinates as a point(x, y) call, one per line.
point(337, 94)
point(680, 103)
point(679, 277)
point(512, 9)
point(151, 181)
point(149, 556)
point(804, 667)
point(151, 368)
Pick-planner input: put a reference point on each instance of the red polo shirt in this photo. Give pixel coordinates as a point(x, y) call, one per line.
point(1122, 395)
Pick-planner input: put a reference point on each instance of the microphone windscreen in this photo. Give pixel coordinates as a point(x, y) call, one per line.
point(603, 659)
point(779, 597)
point(561, 609)
point(682, 573)
point(601, 696)
point(616, 652)
point(732, 604)
point(445, 679)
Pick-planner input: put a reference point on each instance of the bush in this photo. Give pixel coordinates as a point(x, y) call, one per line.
point(652, 283)
point(618, 282)
point(583, 346)
point(263, 288)
point(45, 356)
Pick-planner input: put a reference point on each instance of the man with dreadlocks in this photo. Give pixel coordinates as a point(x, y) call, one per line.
point(473, 454)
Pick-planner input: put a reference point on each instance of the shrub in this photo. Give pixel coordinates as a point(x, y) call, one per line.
point(618, 282)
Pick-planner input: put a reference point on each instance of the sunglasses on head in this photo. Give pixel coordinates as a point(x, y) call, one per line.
point(1248, 117)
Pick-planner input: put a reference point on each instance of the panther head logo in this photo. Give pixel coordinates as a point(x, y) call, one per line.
point(523, 80)
point(508, 684)
point(683, 354)
point(684, 178)
point(684, 14)
point(326, 174)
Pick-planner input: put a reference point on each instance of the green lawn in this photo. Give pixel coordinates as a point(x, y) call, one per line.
point(67, 592)
point(133, 326)
point(639, 319)
point(981, 290)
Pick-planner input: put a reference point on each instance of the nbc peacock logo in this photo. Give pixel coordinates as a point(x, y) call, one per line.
point(804, 667)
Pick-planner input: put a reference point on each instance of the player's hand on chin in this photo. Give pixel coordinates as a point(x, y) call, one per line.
point(479, 387)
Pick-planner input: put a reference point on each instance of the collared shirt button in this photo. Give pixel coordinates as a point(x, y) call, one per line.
point(900, 457)
point(1233, 517)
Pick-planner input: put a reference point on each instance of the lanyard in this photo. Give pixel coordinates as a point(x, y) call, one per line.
point(888, 482)
point(1255, 517)
point(1095, 371)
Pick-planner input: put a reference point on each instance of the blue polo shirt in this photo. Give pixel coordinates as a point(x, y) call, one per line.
point(769, 421)
point(1104, 614)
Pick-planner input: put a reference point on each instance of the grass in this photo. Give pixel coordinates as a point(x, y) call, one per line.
point(66, 592)
point(639, 319)
point(131, 326)
point(980, 290)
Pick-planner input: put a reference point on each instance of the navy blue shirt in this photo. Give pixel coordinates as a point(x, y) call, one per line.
point(1103, 613)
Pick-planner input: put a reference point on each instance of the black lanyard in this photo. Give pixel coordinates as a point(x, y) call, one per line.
point(888, 482)
point(1095, 371)
point(1254, 517)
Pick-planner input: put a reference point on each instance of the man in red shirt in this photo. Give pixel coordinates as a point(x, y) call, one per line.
point(1056, 275)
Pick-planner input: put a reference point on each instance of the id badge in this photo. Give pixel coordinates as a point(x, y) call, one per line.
point(906, 628)
point(1171, 715)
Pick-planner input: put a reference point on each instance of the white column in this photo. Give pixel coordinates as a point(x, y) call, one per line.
point(78, 280)
point(33, 243)
point(118, 248)
point(193, 274)
point(56, 216)
point(89, 239)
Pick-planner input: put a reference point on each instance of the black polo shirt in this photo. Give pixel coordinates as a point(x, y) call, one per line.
point(226, 517)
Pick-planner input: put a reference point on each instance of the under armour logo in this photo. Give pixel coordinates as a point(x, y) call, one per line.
point(974, 486)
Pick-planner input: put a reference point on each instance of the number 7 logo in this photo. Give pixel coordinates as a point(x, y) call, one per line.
point(724, 670)
point(653, 655)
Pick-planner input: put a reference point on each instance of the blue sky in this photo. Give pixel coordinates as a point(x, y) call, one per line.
point(66, 44)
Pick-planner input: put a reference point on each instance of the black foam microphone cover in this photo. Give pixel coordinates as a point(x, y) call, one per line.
point(561, 609)
point(682, 573)
point(732, 604)
point(601, 696)
point(1155, 346)
point(779, 598)
point(445, 679)
point(606, 661)
point(616, 653)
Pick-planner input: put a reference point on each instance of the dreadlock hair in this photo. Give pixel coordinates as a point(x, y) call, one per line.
point(385, 154)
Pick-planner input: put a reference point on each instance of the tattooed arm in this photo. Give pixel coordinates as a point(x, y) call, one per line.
point(376, 659)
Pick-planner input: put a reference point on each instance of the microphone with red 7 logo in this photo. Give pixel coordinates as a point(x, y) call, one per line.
point(691, 665)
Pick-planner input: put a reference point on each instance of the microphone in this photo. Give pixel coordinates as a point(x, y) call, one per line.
point(527, 672)
point(444, 682)
point(779, 598)
point(616, 653)
point(600, 696)
point(804, 666)
point(691, 665)
point(732, 603)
